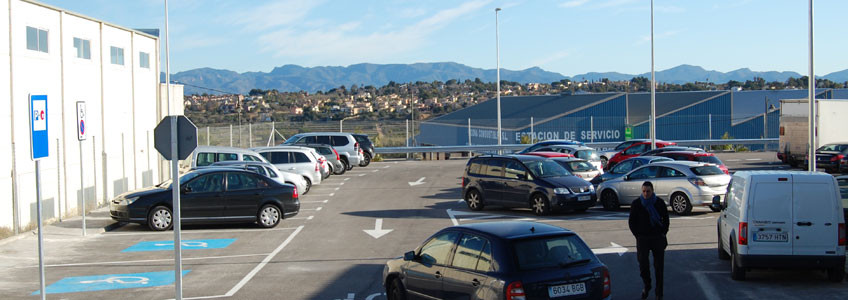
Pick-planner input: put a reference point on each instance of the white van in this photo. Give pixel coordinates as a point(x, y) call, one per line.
point(782, 219)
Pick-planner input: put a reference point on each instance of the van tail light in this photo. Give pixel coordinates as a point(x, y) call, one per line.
point(743, 233)
point(515, 291)
point(842, 237)
point(337, 154)
point(463, 181)
point(356, 146)
point(294, 193)
point(607, 284)
point(837, 157)
point(697, 181)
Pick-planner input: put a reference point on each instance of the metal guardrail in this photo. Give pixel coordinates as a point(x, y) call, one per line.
point(519, 147)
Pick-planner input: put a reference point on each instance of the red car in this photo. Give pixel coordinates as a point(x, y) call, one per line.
point(548, 154)
point(633, 151)
point(696, 156)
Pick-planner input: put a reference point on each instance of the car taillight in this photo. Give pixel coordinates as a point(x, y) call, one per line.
point(837, 157)
point(515, 291)
point(743, 233)
point(317, 167)
point(607, 284)
point(356, 146)
point(294, 193)
point(463, 181)
point(697, 181)
point(337, 154)
point(842, 238)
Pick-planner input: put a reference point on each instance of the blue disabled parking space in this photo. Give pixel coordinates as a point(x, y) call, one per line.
point(110, 282)
point(186, 245)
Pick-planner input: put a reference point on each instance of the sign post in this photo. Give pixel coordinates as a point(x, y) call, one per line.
point(175, 138)
point(40, 149)
point(81, 137)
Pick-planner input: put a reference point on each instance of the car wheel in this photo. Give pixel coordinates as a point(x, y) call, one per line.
point(346, 164)
point(308, 185)
point(721, 253)
point(474, 200)
point(396, 291)
point(610, 200)
point(736, 272)
point(680, 204)
point(366, 160)
point(340, 171)
point(836, 274)
point(269, 216)
point(540, 205)
point(160, 218)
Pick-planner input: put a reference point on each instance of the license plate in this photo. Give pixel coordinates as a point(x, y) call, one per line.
point(771, 237)
point(567, 290)
point(584, 198)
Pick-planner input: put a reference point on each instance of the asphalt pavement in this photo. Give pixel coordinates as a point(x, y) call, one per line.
point(348, 227)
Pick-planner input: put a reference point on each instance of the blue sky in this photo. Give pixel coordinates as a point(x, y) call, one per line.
point(567, 36)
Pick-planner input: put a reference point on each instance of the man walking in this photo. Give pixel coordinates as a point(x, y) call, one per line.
point(649, 224)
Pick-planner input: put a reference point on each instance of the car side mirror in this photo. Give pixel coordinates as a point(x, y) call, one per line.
point(185, 190)
point(522, 176)
point(716, 205)
point(626, 177)
point(409, 256)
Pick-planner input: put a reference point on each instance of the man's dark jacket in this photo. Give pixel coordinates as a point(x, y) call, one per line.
point(640, 220)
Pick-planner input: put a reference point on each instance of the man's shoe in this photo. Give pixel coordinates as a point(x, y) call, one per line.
point(645, 293)
point(659, 297)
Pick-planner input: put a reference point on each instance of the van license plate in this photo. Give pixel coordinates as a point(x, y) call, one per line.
point(584, 198)
point(771, 237)
point(567, 290)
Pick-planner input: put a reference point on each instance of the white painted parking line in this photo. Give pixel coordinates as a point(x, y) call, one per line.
point(315, 209)
point(706, 287)
point(321, 195)
point(322, 201)
point(346, 179)
point(732, 160)
point(753, 159)
point(141, 261)
point(349, 175)
point(301, 218)
point(264, 262)
point(189, 231)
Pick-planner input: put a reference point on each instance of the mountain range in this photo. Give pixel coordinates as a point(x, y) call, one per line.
point(292, 78)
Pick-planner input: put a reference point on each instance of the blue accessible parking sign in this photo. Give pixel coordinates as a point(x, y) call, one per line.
point(186, 245)
point(38, 126)
point(111, 282)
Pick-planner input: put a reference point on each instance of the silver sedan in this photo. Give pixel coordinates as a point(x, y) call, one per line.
point(683, 184)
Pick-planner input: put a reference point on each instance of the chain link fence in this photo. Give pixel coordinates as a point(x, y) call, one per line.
point(383, 133)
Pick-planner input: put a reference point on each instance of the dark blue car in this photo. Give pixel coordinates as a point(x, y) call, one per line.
point(499, 260)
point(626, 166)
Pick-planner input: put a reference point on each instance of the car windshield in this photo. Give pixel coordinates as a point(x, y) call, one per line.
point(588, 155)
point(185, 178)
point(833, 147)
point(546, 168)
point(551, 252)
point(708, 159)
point(706, 170)
point(624, 145)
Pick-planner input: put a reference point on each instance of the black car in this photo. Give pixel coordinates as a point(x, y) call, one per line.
point(524, 181)
point(499, 260)
point(832, 157)
point(210, 195)
point(367, 148)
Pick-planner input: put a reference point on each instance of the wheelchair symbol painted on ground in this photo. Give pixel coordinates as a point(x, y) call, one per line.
point(105, 282)
point(186, 245)
point(120, 279)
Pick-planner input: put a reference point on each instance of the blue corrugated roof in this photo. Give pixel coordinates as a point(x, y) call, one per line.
point(840, 94)
point(750, 103)
point(516, 111)
point(639, 104)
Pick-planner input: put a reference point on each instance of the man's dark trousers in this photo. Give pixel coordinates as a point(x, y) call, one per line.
point(656, 246)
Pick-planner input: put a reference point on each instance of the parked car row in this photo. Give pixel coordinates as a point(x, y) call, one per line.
point(262, 185)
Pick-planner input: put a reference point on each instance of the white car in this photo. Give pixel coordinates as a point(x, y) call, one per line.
point(683, 184)
point(579, 167)
point(269, 171)
point(582, 152)
point(782, 219)
point(299, 160)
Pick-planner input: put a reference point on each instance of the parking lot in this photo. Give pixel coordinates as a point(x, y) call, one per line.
point(347, 228)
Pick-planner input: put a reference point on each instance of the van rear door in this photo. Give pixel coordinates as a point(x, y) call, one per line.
point(815, 221)
point(770, 216)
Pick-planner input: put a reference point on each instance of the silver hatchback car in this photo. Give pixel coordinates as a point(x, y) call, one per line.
point(682, 184)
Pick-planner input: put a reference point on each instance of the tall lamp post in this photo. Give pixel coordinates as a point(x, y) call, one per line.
point(498, 72)
point(811, 153)
point(653, 118)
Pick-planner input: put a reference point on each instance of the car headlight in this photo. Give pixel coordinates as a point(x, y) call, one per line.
point(591, 188)
point(128, 201)
point(562, 191)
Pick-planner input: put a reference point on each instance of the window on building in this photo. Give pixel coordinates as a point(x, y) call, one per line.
point(117, 55)
point(36, 39)
point(144, 60)
point(83, 48)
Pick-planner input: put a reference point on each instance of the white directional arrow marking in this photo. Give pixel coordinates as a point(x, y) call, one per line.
point(378, 230)
point(614, 248)
point(419, 182)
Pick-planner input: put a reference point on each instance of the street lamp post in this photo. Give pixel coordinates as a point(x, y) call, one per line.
point(653, 87)
point(498, 72)
point(811, 152)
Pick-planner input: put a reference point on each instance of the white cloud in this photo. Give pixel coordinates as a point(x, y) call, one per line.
point(274, 14)
point(541, 62)
point(340, 44)
point(573, 3)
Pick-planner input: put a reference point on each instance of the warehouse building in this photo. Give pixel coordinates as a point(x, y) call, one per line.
point(70, 58)
point(611, 117)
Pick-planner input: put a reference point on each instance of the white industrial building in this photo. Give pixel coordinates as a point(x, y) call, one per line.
point(70, 57)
